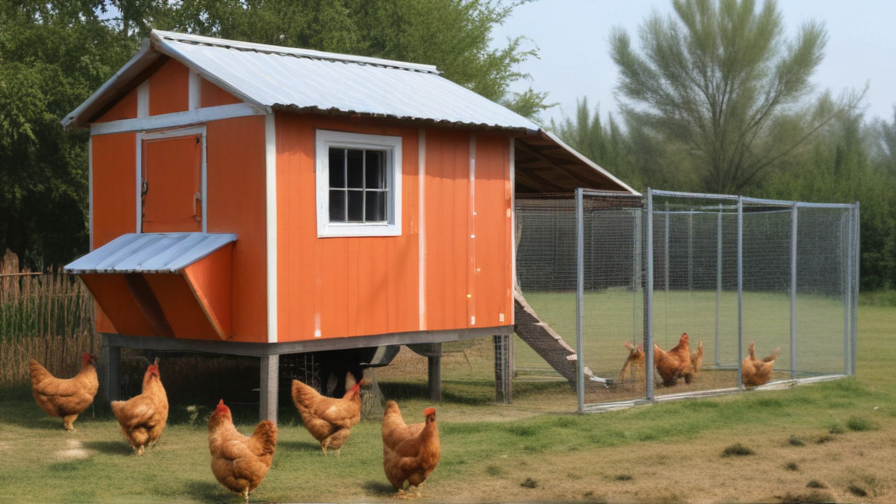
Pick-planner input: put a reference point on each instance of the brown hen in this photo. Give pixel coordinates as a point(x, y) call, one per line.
point(410, 452)
point(65, 398)
point(328, 419)
point(674, 364)
point(143, 418)
point(240, 463)
point(756, 372)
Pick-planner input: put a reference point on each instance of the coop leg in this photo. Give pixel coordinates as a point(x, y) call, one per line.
point(267, 402)
point(503, 373)
point(435, 373)
point(111, 362)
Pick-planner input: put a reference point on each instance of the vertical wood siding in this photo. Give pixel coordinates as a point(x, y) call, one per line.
point(236, 204)
point(211, 95)
point(336, 287)
point(169, 89)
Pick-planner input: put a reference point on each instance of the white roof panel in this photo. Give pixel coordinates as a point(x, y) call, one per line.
point(150, 253)
point(273, 76)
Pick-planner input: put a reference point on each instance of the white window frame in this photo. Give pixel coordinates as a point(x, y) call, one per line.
point(325, 139)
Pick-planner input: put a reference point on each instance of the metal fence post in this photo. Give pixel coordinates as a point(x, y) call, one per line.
point(580, 299)
point(857, 247)
point(648, 302)
point(794, 228)
point(719, 289)
point(740, 290)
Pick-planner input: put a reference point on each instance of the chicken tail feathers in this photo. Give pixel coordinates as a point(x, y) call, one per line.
point(266, 436)
point(774, 355)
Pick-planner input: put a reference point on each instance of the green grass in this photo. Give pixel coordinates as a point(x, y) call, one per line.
point(486, 447)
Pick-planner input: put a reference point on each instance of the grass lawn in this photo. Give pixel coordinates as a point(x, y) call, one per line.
point(827, 442)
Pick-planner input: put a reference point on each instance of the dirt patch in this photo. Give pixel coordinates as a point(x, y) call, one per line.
point(74, 450)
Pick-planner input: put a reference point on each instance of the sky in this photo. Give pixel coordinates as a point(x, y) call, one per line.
point(572, 40)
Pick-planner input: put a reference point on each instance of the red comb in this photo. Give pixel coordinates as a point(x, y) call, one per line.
point(429, 411)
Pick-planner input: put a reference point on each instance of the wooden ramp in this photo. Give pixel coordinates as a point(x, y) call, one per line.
point(546, 342)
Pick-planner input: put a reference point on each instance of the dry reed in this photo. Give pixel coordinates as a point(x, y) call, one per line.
point(47, 317)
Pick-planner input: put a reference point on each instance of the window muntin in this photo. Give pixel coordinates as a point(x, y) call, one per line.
point(358, 184)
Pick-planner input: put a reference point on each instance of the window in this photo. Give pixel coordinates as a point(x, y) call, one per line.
point(358, 184)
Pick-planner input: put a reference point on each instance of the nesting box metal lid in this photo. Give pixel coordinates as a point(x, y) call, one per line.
point(150, 253)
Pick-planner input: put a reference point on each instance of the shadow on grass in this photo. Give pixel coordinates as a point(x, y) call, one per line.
point(378, 488)
point(110, 447)
point(299, 446)
point(209, 491)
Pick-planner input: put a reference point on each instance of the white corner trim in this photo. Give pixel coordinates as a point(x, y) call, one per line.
point(471, 231)
point(421, 225)
point(513, 215)
point(176, 119)
point(194, 91)
point(142, 100)
point(270, 160)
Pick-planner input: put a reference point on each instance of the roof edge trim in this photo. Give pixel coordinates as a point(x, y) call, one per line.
point(160, 35)
point(134, 66)
point(590, 163)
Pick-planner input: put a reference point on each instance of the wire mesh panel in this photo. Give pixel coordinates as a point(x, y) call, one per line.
point(765, 291)
point(695, 293)
point(612, 313)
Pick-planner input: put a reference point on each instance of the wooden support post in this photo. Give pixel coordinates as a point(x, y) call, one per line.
point(268, 391)
point(110, 360)
point(435, 373)
point(503, 369)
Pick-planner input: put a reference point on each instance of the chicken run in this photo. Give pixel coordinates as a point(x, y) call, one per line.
point(695, 284)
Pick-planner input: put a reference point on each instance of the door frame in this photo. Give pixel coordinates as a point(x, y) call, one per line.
point(172, 133)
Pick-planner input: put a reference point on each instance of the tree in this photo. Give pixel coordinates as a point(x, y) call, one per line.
point(53, 54)
point(721, 85)
point(453, 35)
point(607, 145)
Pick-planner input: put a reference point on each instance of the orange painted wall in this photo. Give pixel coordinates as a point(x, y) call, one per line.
point(114, 194)
point(169, 89)
point(211, 95)
point(340, 286)
point(126, 108)
point(236, 204)
point(492, 254)
point(447, 193)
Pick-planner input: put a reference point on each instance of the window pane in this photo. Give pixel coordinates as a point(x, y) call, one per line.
point(337, 206)
point(355, 169)
point(375, 206)
point(337, 167)
point(355, 206)
point(376, 169)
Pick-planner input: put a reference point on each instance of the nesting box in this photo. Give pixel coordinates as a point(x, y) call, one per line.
point(263, 200)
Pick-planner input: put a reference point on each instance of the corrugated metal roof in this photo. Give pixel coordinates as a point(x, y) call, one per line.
point(150, 253)
point(281, 77)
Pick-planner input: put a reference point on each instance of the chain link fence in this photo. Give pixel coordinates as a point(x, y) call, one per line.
point(617, 274)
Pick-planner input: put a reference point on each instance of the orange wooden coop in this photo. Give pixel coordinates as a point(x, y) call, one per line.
point(261, 200)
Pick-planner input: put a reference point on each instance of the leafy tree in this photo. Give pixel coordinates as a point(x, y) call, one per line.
point(53, 54)
point(719, 85)
point(453, 35)
point(606, 145)
point(835, 166)
point(883, 144)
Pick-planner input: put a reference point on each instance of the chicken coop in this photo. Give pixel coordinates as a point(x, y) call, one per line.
point(257, 200)
point(729, 271)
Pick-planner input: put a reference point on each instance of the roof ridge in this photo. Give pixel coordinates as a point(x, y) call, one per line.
point(163, 36)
